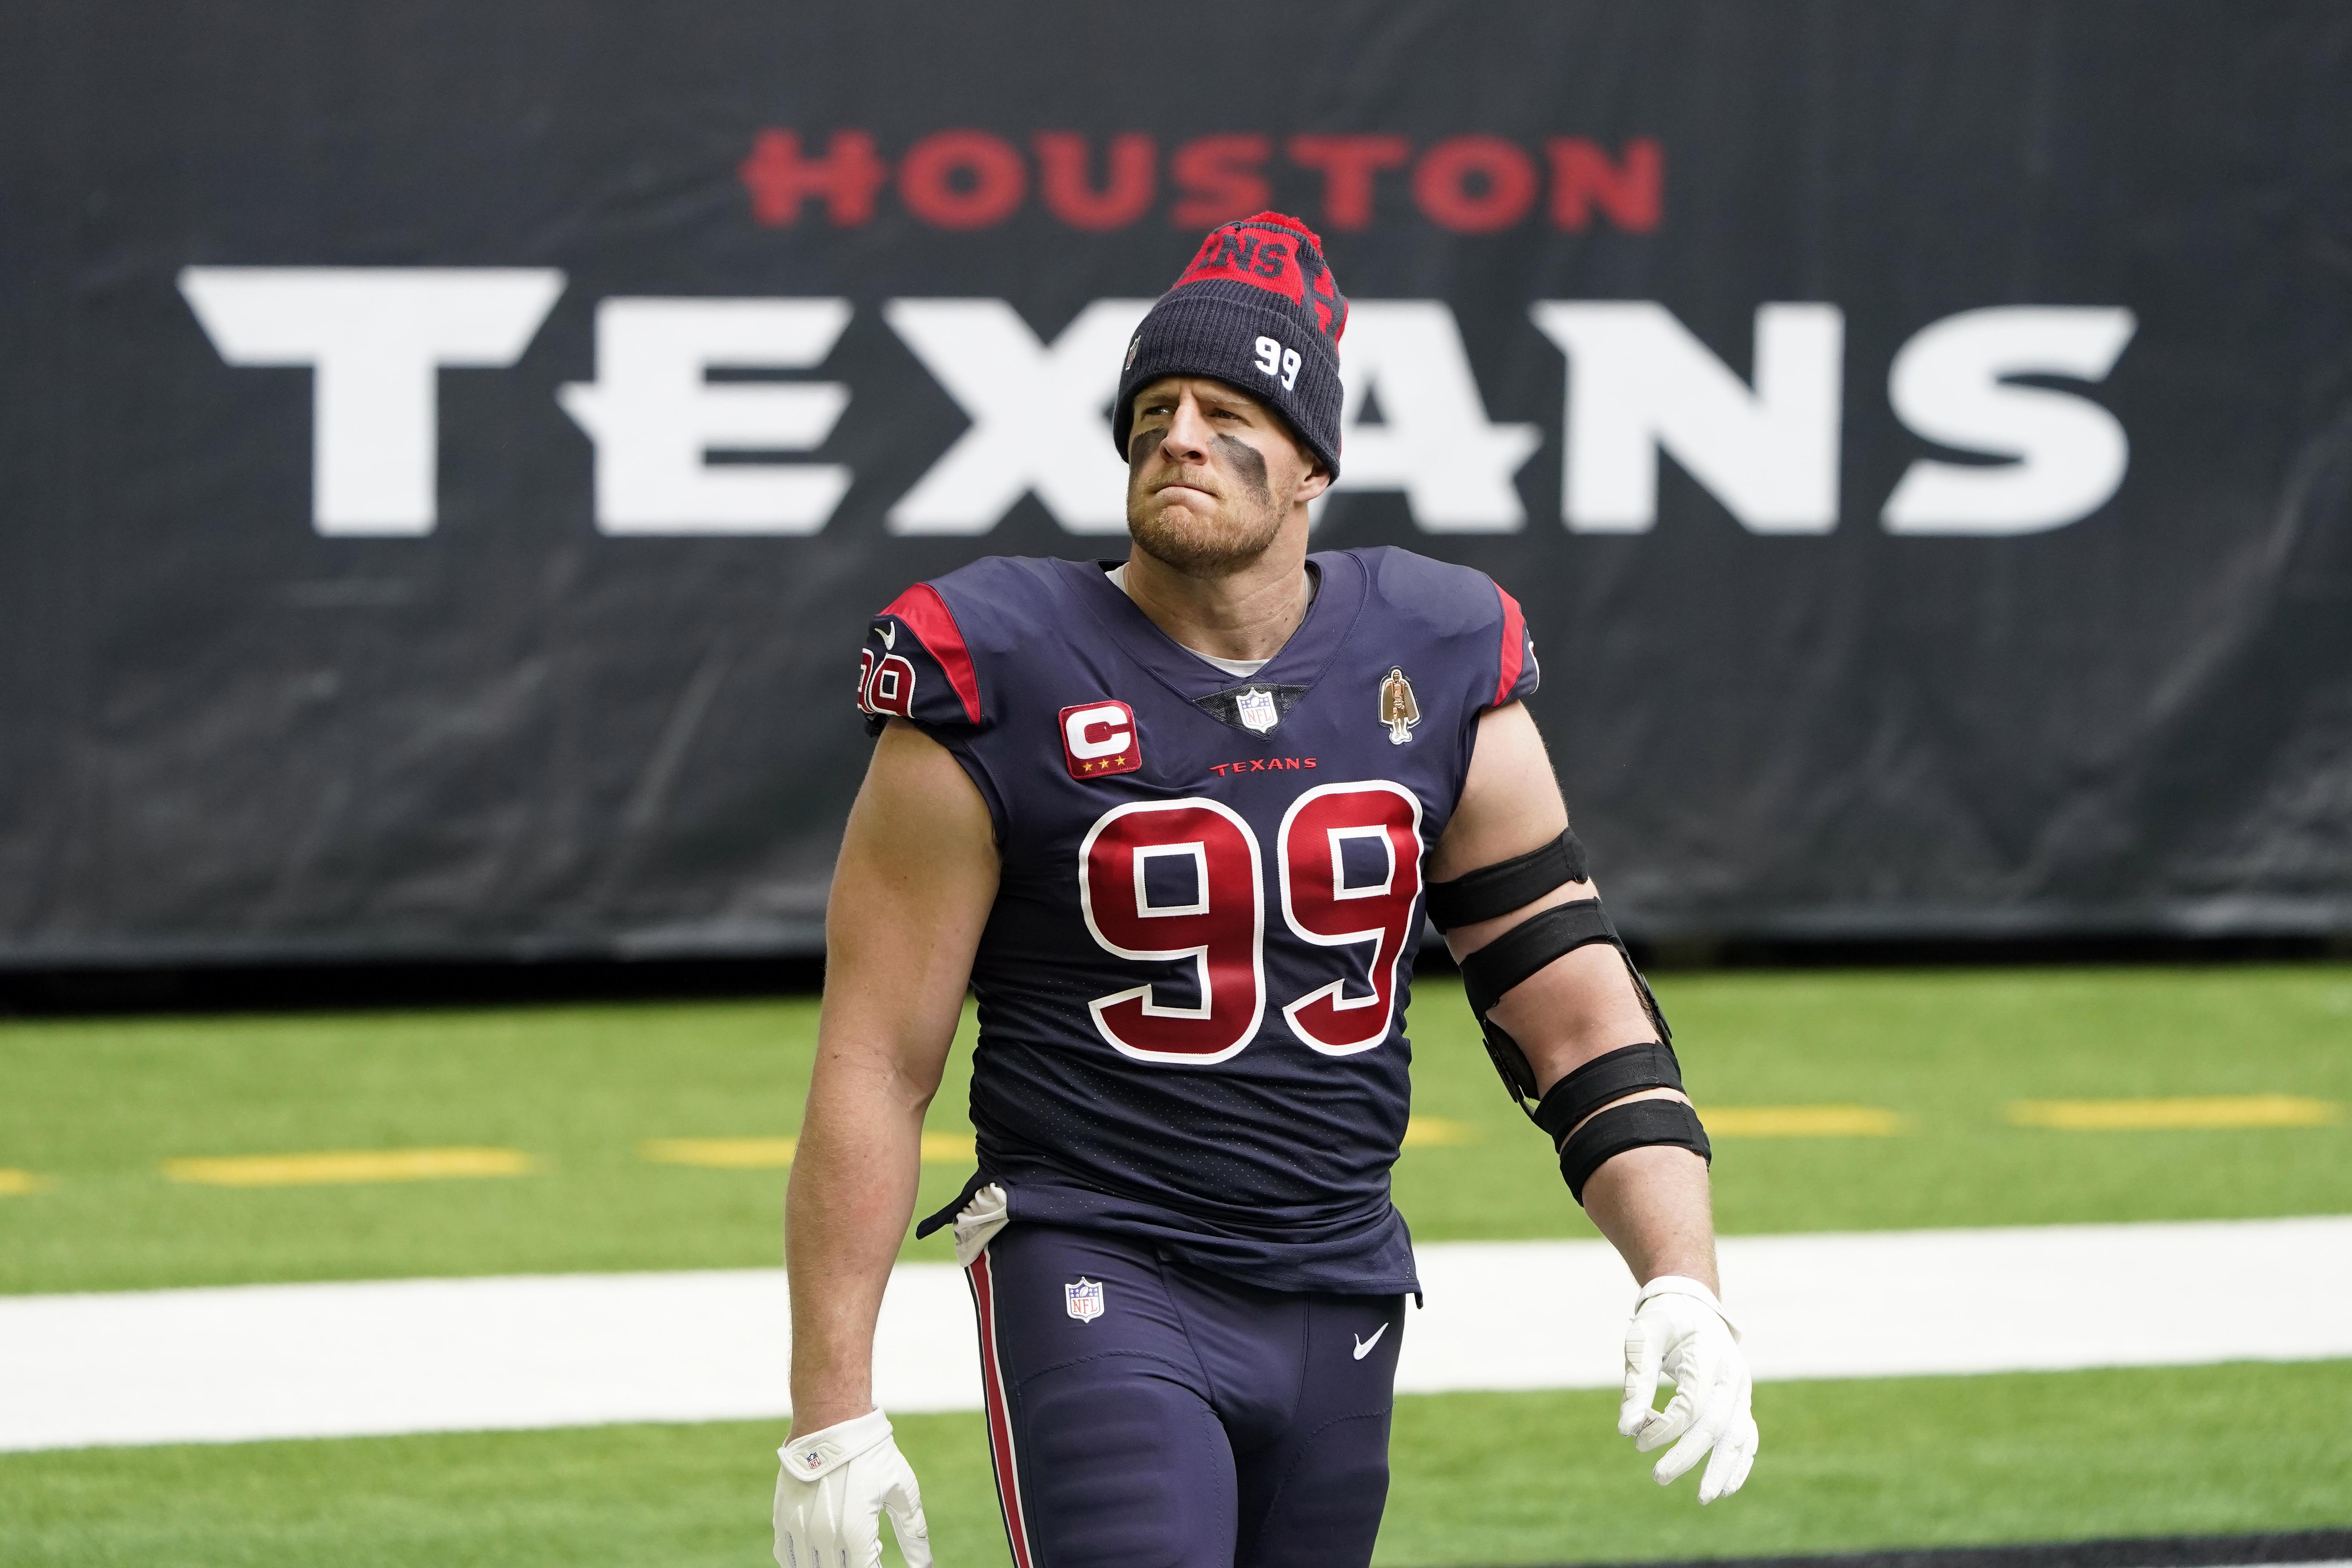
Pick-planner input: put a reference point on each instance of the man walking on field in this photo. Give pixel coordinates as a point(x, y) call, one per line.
point(1178, 822)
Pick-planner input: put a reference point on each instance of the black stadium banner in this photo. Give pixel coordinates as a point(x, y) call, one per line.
point(451, 450)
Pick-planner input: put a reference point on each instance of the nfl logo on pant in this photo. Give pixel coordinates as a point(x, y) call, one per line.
point(1084, 1301)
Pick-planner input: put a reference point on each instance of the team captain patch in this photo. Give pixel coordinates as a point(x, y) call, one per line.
point(1098, 739)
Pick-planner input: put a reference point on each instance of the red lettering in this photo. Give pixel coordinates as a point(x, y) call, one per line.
point(1504, 188)
point(780, 180)
point(1261, 764)
point(1062, 180)
point(962, 179)
point(1220, 179)
point(1632, 194)
point(1348, 164)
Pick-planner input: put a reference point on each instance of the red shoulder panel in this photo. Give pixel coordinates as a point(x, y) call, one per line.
point(1515, 637)
point(922, 611)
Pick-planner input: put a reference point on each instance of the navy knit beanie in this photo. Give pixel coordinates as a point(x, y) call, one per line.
point(1256, 310)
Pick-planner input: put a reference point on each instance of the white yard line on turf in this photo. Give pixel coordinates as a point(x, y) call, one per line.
point(427, 1355)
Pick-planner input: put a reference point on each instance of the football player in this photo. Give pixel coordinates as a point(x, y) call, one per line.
point(1178, 821)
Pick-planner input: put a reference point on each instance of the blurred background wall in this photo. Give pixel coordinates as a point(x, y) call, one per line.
point(449, 452)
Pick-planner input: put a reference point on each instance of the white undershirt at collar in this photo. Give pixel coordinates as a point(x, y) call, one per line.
point(1239, 668)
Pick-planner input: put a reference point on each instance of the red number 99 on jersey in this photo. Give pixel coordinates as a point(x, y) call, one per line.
point(1180, 880)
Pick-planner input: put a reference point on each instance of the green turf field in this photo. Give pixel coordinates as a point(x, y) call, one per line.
point(1479, 1479)
point(93, 1109)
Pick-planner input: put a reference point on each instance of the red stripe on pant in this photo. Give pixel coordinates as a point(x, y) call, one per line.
point(1000, 1414)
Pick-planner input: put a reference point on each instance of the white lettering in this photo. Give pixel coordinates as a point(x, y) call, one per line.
point(654, 418)
point(1037, 414)
point(1639, 382)
point(375, 338)
point(2068, 455)
point(1435, 443)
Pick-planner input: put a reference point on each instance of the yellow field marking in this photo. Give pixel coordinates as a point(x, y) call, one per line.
point(2200, 1111)
point(720, 1154)
point(1801, 1121)
point(948, 1148)
point(1438, 1132)
point(17, 1183)
point(349, 1165)
point(772, 1153)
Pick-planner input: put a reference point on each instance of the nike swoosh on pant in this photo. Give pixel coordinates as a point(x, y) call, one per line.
point(1364, 1347)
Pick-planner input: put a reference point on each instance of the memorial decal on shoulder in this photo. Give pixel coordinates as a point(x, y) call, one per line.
point(1399, 712)
point(1257, 710)
point(1084, 1300)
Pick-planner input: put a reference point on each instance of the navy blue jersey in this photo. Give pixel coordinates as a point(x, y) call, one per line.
point(1192, 985)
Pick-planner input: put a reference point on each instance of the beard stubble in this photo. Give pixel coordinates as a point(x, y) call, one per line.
point(1199, 546)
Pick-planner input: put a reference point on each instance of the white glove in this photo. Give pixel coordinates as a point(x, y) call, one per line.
point(831, 1490)
point(1681, 1328)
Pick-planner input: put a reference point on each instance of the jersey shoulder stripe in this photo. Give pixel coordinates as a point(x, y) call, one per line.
point(923, 611)
point(1515, 632)
point(1460, 606)
point(948, 653)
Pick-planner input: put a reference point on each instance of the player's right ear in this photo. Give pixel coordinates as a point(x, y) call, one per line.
point(1318, 479)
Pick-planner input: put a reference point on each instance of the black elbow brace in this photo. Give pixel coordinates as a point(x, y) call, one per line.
point(1503, 963)
point(1572, 1111)
point(1507, 885)
point(1636, 1124)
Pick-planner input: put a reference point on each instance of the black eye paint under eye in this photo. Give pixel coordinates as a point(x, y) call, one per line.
point(1139, 446)
point(1247, 462)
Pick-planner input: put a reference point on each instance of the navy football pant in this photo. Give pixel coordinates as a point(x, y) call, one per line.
point(1192, 1422)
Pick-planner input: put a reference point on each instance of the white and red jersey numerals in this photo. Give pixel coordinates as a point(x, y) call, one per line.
point(1181, 881)
point(886, 685)
point(1327, 906)
point(1221, 927)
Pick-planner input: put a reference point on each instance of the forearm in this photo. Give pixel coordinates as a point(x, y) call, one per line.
point(1653, 1203)
point(853, 1191)
point(910, 895)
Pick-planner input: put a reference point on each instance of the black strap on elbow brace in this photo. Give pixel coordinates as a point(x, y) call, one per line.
point(1507, 885)
point(1611, 1076)
point(1636, 1124)
point(1518, 953)
point(1528, 946)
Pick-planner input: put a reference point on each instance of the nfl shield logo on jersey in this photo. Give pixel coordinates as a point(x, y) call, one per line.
point(1084, 1301)
point(1255, 710)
